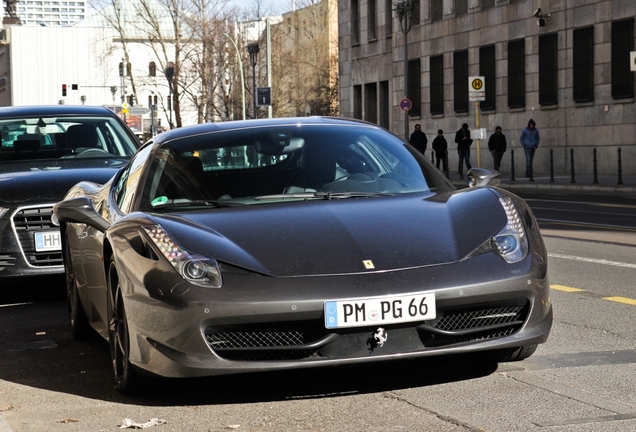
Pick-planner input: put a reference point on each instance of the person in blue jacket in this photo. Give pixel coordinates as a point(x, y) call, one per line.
point(529, 140)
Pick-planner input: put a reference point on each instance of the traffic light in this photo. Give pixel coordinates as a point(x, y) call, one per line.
point(63, 89)
point(121, 68)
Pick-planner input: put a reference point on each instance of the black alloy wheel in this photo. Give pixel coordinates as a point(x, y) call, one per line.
point(118, 336)
point(80, 327)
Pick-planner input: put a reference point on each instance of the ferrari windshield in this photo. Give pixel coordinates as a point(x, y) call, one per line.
point(55, 137)
point(283, 163)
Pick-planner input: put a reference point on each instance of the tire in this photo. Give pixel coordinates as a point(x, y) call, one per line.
point(126, 376)
point(80, 326)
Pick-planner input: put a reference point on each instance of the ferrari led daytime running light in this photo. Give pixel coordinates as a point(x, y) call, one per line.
point(3, 211)
point(511, 242)
point(200, 271)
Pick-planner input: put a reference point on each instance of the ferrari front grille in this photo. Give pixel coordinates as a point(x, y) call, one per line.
point(26, 222)
point(462, 320)
point(255, 339)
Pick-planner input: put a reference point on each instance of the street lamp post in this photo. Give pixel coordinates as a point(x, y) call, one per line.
point(240, 62)
point(169, 72)
point(404, 12)
point(253, 50)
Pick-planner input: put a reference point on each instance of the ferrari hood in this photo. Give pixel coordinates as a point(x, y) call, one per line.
point(45, 181)
point(342, 236)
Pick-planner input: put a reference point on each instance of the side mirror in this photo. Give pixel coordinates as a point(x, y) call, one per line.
point(482, 177)
point(80, 210)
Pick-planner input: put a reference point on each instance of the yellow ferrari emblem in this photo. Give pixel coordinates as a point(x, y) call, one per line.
point(368, 264)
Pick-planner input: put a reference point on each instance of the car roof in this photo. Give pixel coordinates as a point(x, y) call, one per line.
point(47, 110)
point(245, 124)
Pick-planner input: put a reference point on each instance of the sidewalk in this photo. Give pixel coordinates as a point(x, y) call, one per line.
point(562, 182)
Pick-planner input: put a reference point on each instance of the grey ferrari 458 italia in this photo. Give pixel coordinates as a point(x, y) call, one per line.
point(298, 243)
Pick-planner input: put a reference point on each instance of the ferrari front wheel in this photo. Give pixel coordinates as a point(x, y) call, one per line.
point(80, 327)
point(118, 335)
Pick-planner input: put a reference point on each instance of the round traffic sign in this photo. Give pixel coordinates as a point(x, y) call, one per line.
point(406, 104)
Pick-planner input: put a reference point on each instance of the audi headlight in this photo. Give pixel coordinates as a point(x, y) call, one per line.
point(511, 242)
point(195, 269)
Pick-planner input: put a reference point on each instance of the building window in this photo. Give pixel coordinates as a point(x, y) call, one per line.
point(152, 69)
point(487, 4)
point(357, 102)
point(583, 72)
point(622, 44)
point(437, 84)
point(388, 17)
point(371, 102)
point(487, 70)
point(385, 107)
point(355, 22)
point(415, 18)
point(437, 11)
point(461, 7)
point(548, 69)
point(371, 19)
point(413, 92)
point(517, 73)
point(460, 76)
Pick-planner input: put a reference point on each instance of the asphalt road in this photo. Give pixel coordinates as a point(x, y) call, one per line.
point(582, 379)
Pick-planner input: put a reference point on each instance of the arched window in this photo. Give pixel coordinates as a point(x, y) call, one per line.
point(152, 69)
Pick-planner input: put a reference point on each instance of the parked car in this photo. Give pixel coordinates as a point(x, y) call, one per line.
point(296, 243)
point(45, 150)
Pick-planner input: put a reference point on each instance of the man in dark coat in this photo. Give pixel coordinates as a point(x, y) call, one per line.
point(439, 147)
point(497, 147)
point(464, 141)
point(418, 139)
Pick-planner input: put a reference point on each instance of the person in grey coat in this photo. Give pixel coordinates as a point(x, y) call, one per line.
point(530, 140)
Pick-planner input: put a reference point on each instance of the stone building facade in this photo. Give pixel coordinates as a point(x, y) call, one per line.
point(566, 66)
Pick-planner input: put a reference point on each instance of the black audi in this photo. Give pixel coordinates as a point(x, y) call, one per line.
point(45, 150)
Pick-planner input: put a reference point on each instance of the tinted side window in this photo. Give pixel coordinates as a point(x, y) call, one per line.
point(128, 181)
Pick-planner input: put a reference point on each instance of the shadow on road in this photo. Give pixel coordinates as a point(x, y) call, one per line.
point(37, 350)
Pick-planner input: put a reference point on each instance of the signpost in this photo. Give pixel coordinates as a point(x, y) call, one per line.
point(264, 96)
point(477, 93)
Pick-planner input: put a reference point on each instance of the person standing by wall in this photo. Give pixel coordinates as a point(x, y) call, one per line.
point(439, 147)
point(529, 140)
point(497, 146)
point(418, 139)
point(463, 140)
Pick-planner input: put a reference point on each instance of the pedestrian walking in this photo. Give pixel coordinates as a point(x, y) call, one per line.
point(529, 140)
point(463, 140)
point(439, 147)
point(497, 146)
point(418, 139)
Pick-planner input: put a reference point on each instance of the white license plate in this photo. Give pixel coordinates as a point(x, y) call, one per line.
point(48, 241)
point(380, 310)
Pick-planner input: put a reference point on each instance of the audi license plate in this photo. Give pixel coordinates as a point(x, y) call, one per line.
point(380, 310)
point(48, 241)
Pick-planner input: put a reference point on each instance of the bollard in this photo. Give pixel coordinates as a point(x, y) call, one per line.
point(595, 170)
point(620, 168)
point(512, 165)
point(551, 166)
point(572, 166)
point(445, 165)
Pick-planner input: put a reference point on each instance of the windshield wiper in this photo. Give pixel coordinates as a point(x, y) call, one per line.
point(323, 195)
point(199, 203)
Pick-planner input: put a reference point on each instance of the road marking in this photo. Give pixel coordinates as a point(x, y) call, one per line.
point(586, 224)
point(627, 206)
point(592, 260)
point(566, 288)
point(621, 300)
point(617, 299)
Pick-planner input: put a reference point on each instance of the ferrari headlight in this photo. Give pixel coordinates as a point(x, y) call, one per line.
point(198, 270)
point(511, 242)
point(3, 211)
